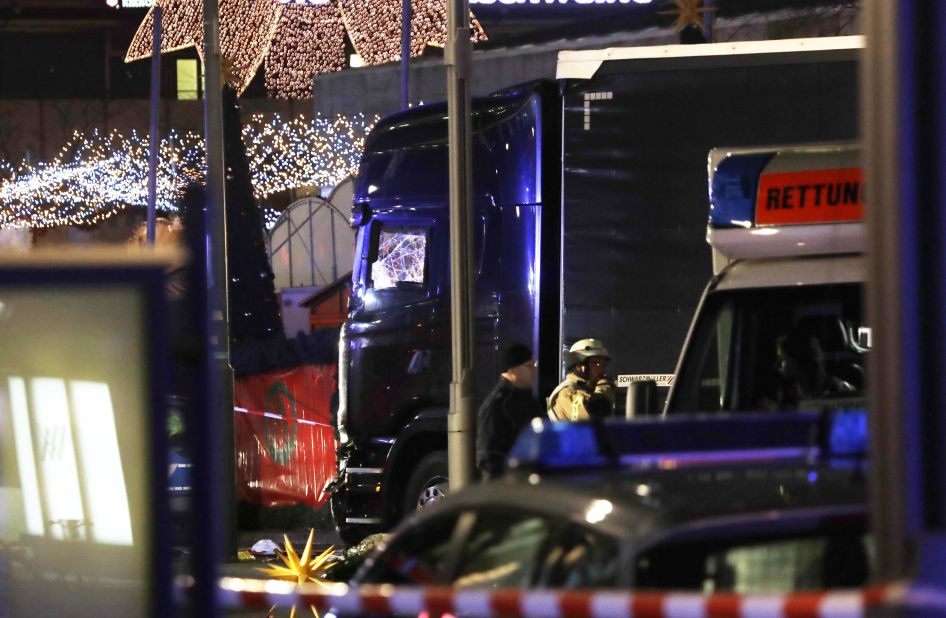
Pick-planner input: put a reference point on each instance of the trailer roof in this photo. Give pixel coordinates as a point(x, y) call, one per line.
point(584, 64)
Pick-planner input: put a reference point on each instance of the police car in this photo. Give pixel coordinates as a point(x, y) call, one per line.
point(760, 503)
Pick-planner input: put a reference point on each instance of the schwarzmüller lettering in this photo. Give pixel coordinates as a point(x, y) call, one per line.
point(813, 195)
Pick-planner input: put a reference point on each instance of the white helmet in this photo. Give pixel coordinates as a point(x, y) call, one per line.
point(584, 349)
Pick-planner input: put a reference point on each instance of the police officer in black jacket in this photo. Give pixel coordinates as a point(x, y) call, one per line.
point(507, 409)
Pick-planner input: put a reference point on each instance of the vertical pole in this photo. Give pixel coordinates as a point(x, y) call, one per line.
point(108, 66)
point(108, 80)
point(884, 220)
point(213, 481)
point(42, 130)
point(331, 217)
point(405, 53)
point(461, 418)
point(904, 86)
point(312, 263)
point(292, 232)
point(709, 18)
point(155, 100)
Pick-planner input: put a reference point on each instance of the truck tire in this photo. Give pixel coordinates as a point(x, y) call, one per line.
point(427, 484)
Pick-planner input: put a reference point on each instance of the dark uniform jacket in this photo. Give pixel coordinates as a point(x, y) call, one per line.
point(504, 413)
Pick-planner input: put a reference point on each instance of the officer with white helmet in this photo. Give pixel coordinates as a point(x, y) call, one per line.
point(586, 392)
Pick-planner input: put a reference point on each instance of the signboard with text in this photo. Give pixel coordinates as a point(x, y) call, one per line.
point(815, 196)
point(130, 4)
point(486, 9)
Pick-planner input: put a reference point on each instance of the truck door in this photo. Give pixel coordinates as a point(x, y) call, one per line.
point(395, 336)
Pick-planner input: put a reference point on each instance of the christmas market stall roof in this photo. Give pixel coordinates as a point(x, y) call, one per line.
point(331, 288)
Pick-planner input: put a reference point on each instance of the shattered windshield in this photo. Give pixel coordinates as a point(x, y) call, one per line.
point(401, 257)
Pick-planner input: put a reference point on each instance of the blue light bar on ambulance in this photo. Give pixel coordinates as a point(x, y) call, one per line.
point(733, 188)
point(681, 441)
point(789, 201)
point(795, 185)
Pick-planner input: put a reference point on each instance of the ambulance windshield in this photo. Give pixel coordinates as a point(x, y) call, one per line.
point(789, 348)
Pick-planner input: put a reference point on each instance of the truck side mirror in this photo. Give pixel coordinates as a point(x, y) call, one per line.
point(641, 399)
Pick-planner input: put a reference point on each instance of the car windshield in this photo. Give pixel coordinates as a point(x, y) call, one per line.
point(785, 348)
point(836, 559)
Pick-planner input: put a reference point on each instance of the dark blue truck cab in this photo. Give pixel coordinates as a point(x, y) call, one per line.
point(392, 413)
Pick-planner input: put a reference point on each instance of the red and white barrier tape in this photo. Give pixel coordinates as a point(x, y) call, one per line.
point(518, 603)
point(280, 417)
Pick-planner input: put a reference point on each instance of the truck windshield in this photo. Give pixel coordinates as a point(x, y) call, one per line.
point(788, 348)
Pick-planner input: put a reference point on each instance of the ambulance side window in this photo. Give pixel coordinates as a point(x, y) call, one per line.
point(713, 391)
point(705, 379)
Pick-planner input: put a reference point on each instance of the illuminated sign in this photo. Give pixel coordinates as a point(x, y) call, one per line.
point(472, 2)
point(662, 379)
point(816, 196)
point(135, 4)
point(560, 2)
point(83, 435)
point(130, 4)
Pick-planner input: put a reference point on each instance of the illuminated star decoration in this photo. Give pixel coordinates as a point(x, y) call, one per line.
point(688, 13)
point(296, 40)
point(96, 176)
point(300, 569)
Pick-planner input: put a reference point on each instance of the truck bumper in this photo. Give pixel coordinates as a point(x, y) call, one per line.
point(357, 494)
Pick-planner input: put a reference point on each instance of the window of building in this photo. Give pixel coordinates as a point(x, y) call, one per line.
point(188, 79)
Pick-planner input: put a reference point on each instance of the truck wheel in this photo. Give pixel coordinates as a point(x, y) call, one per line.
point(428, 482)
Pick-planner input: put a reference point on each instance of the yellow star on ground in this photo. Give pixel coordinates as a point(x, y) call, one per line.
point(297, 568)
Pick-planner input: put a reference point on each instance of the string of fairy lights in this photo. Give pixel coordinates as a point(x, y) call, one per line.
point(96, 176)
point(296, 40)
point(318, 152)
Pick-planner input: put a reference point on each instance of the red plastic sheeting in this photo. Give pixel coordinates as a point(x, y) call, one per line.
point(285, 443)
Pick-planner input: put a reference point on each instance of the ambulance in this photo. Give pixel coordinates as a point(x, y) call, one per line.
point(781, 324)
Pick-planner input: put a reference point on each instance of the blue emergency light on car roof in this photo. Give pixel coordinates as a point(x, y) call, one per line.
point(847, 433)
point(733, 189)
point(692, 440)
point(557, 445)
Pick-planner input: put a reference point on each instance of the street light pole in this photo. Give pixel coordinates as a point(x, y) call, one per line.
point(214, 529)
point(155, 109)
point(405, 54)
point(460, 420)
point(904, 86)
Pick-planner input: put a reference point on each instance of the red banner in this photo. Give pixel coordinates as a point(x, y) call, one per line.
point(283, 434)
point(816, 196)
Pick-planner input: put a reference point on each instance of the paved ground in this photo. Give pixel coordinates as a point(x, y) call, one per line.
point(322, 540)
